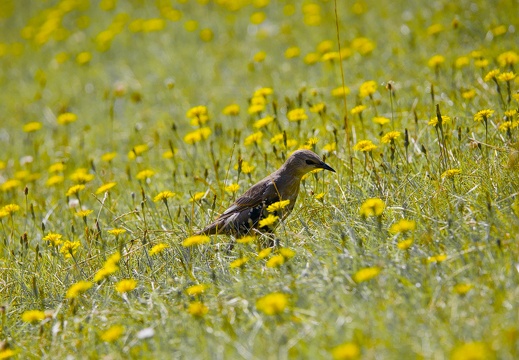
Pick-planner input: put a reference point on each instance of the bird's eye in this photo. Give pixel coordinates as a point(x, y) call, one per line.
point(309, 162)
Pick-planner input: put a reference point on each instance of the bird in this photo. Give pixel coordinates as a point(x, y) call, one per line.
point(243, 216)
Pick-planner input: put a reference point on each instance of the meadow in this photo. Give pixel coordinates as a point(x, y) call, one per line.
point(126, 126)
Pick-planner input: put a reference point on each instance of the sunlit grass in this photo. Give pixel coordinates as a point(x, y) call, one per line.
point(128, 126)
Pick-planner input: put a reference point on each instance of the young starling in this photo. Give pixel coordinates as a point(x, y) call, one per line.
point(250, 208)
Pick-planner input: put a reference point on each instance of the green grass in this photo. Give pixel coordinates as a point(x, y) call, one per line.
point(354, 288)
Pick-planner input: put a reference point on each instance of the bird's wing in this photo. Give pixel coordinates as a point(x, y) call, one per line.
point(264, 192)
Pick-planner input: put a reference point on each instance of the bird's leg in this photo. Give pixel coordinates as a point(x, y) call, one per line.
point(230, 246)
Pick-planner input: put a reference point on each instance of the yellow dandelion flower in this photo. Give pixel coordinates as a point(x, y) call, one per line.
point(269, 220)
point(168, 154)
point(390, 137)
point(78, 288)
point(292, 52)
point(53, 239)
point(508, 58)
point(436, 61)
point(499, 30)
point(163, 196)
point(196, 290)
point(272, 304)
point(108, 156)
point(254, 138)
point(246, 239)
point(238, 263)
point(437, 258)
point(276, 139)
point(125, 285)
point(81, 176)
point(157, 249)
point(246, 168)
point(105, 271)
point(346, 351)
point(472, 351)
point(363, 45)
point(462, 289)
point(231, 110)
point(331, 147)
point(145, 174)
point(264, 253)
point(287, 253)
point(434, 29)
point(8, 353)
point(481, 63)
point(325, 46)
point(10, 209)
point(33, 316)
point(366, 274)
point(11, 184)
point(297, 114)
point(279, 205)
point(113, 259)
point(113, 333)
point(264, 91)
point(450, 173)
point(84, 213)
point(461, 62)
point(66, 118)
point(311, 58)
point(364, 146)
point(368, 88)
point(372, 207)
point(380, 120)
point(405, 244)
point(331, 56)
point(197, 309)
point(258, 17)
point(195, 240)
point(153, 25)
point(507, 76)
point(468, 94)
point(105, 187)
point(69, 248)
point(32, 126)
point(358, 109)
point(232, 188)
point(116, 232)
point(492, 74)
point(318, 108)
point(197, 111)
point(256, 108)
point(259, 56)
point(312, 141)
point(197, 135)
point(434, 120)
point(340, 91)
point(197, 196)
point(276, 261)
point(319, 196)
point(263, 122)
point(505, 126)
point(54, 180)
point(305, 176)
point(402, 226)
point(137, 151)
point(56, 167)
point(83, 58)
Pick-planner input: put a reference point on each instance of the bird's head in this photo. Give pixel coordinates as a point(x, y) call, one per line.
point(304, 161)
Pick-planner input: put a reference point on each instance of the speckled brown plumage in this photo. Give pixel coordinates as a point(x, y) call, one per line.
point(283, 184)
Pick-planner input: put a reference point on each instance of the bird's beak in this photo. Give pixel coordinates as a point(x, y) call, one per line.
point(325, 166)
